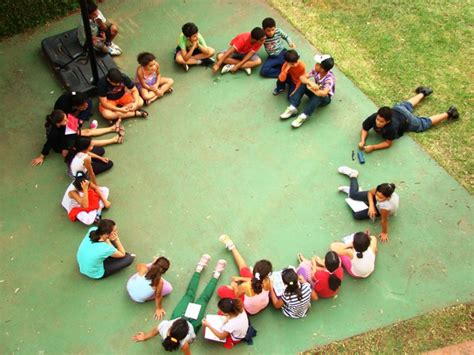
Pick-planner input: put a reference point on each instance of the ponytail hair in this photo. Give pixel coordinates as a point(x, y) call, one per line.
point(54, 118)
point(178, 331)
point(232, 306)
point(106, 226)
point(158, 268)
point(261, 270)
point(290, 279)
point(332, 263)
point(81, 143)
point(386, 189)
point(361, 243)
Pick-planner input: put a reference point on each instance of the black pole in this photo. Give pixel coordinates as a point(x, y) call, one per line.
point(90, 45)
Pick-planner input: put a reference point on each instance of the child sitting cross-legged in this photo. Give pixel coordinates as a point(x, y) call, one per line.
point(241, 53)
point(148, 79)
point(192, 48)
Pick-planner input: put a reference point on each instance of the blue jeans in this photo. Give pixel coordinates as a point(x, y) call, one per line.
point(313, 100)
point(272, 66)
point(281, 85)
point(414, 123)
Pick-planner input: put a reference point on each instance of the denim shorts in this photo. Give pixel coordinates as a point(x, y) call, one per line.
point(414, 123)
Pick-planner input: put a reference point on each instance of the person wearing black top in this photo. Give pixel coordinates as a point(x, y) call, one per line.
point(118, 97)
point(76, 104)
point(391, 123)
point(60, 142)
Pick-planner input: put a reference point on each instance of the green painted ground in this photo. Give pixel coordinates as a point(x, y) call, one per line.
point(212, 158)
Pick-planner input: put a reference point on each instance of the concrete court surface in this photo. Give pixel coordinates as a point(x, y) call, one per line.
point(212, 158)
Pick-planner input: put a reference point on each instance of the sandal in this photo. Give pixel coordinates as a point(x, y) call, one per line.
point(170, 90)
point(202, 263)
point(220, 266)
point(141, 113)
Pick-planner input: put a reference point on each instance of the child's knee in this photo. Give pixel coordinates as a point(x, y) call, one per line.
point(171, 81)
point(114, 30)
point(212, 51)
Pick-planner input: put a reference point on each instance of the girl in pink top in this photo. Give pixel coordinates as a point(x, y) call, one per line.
point(252, 288)
point(148, 80)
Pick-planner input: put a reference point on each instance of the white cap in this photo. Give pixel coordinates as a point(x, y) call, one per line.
point(318, 58)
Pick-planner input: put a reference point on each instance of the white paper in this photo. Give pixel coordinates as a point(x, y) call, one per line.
point(356, 206)
point(216, 322)
point(348, 239)
point(192, 311)
point(278, 284)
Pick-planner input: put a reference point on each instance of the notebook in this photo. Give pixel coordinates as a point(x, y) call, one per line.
point(192, 311)
point(278, 285)
point(356, 206)
point(216, 322)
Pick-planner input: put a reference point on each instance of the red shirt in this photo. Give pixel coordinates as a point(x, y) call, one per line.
point(321, 282)
point(242, 45)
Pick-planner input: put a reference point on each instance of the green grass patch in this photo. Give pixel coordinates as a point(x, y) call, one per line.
point(390, 47)
point(452, 325)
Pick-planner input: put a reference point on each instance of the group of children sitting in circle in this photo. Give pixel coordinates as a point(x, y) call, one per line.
point(101, 253)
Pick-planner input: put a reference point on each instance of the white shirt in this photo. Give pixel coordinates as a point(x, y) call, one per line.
point(365, 266)
point(390, 204)
point(164, 327)
point(77, 163)
point(67, 202)
point(237, 327)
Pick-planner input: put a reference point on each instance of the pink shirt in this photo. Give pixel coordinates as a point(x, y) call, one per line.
point(254, 304)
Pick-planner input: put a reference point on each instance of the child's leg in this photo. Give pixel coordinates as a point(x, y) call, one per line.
point(314, 102)
point(354, 192)
point(203, 300)
point(304, 269)
point(295, 98)
point(99, 166)
point(165, 84)
point(167, 288)
point(104, 142)
point(86, 132)
point(437, 119)
point(188, 297)
point(253, 62)
point(271, 68)
point(190, 61)
point(415, 100)
point(112, 265)
point(115, 115)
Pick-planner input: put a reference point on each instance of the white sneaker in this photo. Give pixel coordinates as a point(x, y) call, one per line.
point(186, 67)
point(345, 170)
point(226, 68)
point(114, 51)
point(248, 70)
point(344, 189)
point(117, 48)
point(299, 121)
point(290, 111)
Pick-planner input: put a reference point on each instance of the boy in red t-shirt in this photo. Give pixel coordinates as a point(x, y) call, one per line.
point(241, 53)
point(291, 71)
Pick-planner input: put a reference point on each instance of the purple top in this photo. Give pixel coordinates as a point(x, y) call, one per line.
point(329, 81)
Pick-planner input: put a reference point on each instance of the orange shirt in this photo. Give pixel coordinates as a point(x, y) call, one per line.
point(295, 72)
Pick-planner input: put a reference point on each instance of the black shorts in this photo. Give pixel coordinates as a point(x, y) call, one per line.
point(178, 49)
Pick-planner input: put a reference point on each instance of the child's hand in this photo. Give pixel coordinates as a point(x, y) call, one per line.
point(369, 148)
point(85, 186)
point(140, 336)
point(107, 204)
point(234, 69)
point(361, 145)
point(292, 45)
point(215, 68)
point(383, 237)
point(37, 161)
point(205, 323)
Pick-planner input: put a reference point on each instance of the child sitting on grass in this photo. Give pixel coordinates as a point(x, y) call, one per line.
point(275, 48)
point(291, 72)
point(192, 48)
point(148, 80)
point(241, 53)
point(319, 92)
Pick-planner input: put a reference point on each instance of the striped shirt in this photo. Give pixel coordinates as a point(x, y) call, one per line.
point(294, 307)
point(274, 45)
point(329, 81)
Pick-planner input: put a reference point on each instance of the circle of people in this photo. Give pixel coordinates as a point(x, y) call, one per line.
point(101, 252)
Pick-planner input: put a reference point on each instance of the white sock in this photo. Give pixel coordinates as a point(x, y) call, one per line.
point(303, 116)
point(199, 62)
point(291, 107)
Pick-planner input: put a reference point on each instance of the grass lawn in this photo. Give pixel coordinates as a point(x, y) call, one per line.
point(452, 325)
point(389, 48)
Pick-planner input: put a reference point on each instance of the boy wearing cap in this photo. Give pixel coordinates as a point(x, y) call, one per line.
point(391, 123)
point(241, 53)
point(319, 92)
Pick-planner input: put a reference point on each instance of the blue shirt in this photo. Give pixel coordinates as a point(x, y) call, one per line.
point(91, 256)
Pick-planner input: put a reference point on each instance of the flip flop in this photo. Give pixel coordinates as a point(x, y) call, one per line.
point(142, 113)
point(300, 257)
